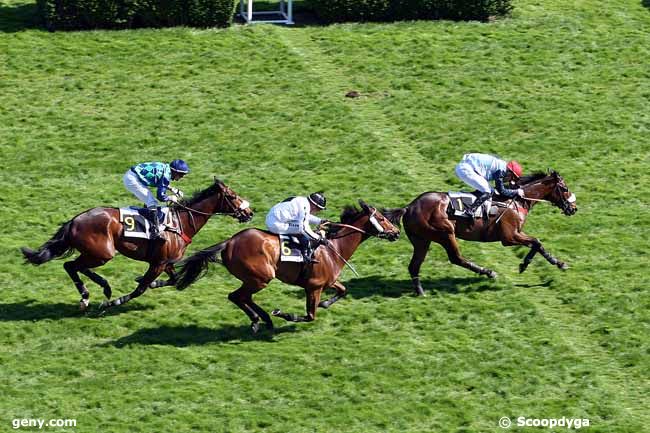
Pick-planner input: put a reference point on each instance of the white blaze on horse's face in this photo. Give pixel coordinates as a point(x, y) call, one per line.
point(375, 223)
point(244, 205)
point(572, 198)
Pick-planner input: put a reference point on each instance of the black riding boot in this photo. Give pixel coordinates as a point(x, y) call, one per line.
point(307, 250)
point(153, 220)
point(469, 210)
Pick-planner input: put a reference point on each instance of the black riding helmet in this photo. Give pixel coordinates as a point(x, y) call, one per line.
point(318, 199)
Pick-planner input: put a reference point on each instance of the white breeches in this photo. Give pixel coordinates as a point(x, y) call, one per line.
point(133, 184)
point(466, 173)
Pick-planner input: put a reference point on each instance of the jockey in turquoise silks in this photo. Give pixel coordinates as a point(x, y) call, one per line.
point(139, 178)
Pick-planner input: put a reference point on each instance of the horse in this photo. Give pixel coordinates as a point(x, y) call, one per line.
point(253, 257)
point(426, 219)
point(97, 234)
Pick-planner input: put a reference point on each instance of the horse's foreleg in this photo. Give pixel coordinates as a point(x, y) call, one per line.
point(420, 250)
point(341, 291)
point(313, 298)
point(520, 238)
point(450, 244)
point(151, 275)
point(169, 270)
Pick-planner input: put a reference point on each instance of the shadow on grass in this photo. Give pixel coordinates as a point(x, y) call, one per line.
point(646, 3)
point(19, 17)
point(377, 286)
point(182, 336)
point(32, 310)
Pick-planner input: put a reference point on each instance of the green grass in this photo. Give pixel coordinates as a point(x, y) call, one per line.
point(561, 85)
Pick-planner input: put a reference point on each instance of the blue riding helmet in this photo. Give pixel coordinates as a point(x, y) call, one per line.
point(180, 166)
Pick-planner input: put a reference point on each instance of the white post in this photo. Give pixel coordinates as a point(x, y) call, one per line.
point(290, 16)
point(250, 10)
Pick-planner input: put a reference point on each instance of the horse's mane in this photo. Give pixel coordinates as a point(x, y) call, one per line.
point(523, 180)
point(203, 194)
point(349, 214)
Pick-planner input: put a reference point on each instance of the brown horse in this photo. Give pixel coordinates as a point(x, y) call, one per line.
point(98, 234)
point(427, 219)
point(253, 257)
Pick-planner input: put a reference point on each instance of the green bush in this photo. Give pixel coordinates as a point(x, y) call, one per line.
point(392, 10)
point(122, 14)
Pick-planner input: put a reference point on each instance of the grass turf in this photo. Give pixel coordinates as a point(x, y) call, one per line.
point(558, 85)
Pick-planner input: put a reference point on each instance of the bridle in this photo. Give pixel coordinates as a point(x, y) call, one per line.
point(560, 190)
point(373, 220)
point(236, 211)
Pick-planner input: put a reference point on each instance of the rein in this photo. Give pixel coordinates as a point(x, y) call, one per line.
point(349, 227)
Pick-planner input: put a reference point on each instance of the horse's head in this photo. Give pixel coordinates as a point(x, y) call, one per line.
point(232, 203)
point(377, 224)
point(561, 197)
point(552, 187)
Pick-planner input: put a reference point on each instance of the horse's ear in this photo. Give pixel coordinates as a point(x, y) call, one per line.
point(217, 180)
point(363, 204)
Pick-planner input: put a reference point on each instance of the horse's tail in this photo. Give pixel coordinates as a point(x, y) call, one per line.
point(196, 266)
point(394, 215)
point(57, 247)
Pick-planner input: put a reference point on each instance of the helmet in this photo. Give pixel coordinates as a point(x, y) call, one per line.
point(318, 199)
point(515, 168)
point(180, 166)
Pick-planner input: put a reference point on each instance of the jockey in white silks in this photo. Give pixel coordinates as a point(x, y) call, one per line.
point(293, 217)
point(478, 169)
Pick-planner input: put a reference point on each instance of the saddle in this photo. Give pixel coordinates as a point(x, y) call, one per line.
point(136, 224)
point(459, 200)
point(290, 249)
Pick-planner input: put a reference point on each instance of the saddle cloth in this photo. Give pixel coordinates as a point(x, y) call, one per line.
point(136, 224)
point(290, 250)
point(458, 201)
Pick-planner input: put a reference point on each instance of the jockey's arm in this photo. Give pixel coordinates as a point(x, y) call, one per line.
point(500, 187)
point(161, 190)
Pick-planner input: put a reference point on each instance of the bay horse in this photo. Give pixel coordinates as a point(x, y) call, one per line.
point(253, 257)
point(426, 219)
point(98, 235)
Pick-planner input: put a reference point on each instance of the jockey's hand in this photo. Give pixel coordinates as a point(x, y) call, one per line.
point(172, 198)
point(323, 241)
point(520, 193)
point(176, 191)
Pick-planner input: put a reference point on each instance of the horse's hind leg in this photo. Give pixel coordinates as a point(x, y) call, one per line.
point(169, 270)
point(97, 279)
point(341, 291)
point(420, 250)
point(72, 269)
point(82, 264)
point(243, 298)
point(450, 244)
point(313, 298)
point(151, 274)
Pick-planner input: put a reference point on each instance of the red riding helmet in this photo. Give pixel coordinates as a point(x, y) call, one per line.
point(515, 168)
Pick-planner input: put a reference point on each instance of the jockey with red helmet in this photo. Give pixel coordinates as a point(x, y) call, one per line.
point(140, 177)
point(478, 169)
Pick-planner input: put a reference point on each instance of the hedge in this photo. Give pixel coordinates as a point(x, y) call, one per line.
point(123, 14)
point(392, 10)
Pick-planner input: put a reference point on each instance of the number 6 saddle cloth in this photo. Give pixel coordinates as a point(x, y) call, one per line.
point(136, 224)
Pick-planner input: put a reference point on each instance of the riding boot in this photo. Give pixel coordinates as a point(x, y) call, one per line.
point(155, 225)
point(307, 249)
point(471, 209)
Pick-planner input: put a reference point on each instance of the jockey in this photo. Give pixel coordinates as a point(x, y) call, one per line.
point(293, 216)
point(140, 177)
point(477, 169)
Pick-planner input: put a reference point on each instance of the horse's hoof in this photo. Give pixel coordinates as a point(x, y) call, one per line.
point(83, 305)
point(491, 274)
point(324, 304)
point(276, 312)
point(269, 326)
point(138, 279)
point(562, 266)
point(104, 306)
point(108, 293)
point(255, 327)
point(522, 268)
point(420, 292)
